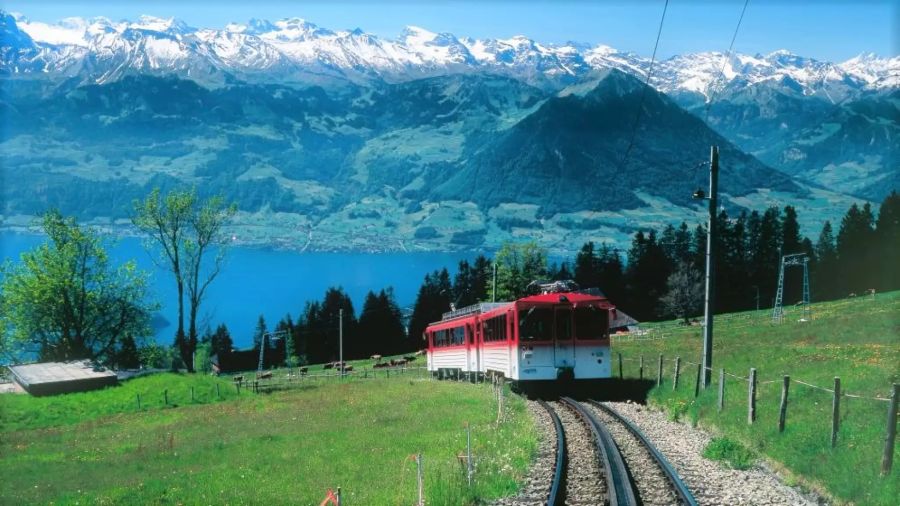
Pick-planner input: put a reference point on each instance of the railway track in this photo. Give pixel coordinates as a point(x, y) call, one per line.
point(600, 458)
point(655, 481)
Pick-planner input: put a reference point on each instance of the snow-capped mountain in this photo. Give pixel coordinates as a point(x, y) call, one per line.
point(295, 50)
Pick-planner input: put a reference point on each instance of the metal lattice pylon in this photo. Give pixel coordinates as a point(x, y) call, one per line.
point(794, 259)
point(281, 334)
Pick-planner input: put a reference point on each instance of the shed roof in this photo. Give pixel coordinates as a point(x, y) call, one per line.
point(58, 377)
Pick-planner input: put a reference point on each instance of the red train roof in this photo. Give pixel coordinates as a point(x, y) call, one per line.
point(554, 298)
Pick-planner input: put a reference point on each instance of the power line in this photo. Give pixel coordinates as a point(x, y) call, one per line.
point(714, 92)
point(637, 118)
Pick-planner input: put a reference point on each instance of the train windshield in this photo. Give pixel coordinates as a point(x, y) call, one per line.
point(536, 324)
point(591, 323)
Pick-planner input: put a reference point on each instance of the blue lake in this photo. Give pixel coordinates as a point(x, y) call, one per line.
point(272, 283)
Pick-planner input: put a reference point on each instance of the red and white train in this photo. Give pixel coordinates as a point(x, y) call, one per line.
point(540, 338)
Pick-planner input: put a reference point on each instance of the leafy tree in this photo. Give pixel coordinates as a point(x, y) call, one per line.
point(685, 292)
point(65, 300)
point(188, 232)
point(518, 264)
point(127, 357)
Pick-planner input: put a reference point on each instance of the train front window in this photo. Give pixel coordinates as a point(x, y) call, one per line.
point(536, 324)
point(591, 323)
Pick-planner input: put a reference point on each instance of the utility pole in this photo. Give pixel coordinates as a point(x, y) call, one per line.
point(494, 291)
point(709, 306)
point(341, 339)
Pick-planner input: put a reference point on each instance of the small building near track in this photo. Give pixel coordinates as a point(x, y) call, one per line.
point(51, 378)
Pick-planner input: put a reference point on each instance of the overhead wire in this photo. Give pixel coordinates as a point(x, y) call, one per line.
point(713, 90)
point(637, 120)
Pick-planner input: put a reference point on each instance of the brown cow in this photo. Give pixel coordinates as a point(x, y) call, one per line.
point(264, 375)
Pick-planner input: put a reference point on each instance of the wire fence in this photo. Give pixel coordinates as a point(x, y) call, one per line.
point(754, 383)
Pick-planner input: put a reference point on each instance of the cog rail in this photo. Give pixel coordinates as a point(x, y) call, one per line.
point(618, 482)
point(681, 490)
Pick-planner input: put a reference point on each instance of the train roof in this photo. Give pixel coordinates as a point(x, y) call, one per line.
point(556, 297)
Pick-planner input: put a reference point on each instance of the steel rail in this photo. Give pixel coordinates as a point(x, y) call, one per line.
point(619, 487)
point(681, 490)
point(557, 496)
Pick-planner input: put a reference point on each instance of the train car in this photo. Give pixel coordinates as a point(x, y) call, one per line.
point(544, 338)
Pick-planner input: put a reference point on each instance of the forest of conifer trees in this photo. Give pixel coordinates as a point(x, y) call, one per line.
point(858, 254)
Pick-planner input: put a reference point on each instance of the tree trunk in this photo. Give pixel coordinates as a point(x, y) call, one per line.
point(180, 340)
point(192, 337)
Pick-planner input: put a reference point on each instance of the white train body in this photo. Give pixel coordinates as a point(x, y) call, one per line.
point(534, 339)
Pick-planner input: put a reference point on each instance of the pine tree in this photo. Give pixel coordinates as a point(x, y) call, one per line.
point(260, 331)
point(220, 341)
point(887, 236)
point(586, 263)
point(855, 242)
point(611, 273)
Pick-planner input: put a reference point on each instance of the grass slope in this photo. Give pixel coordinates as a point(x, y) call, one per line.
point(287, 447)
point(857, 340)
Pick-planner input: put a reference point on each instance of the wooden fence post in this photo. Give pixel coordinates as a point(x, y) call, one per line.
point(620, 366)
point(139, 401)
point(218, 393)
point(782, 410)
point(192, 394)
point(641, 368)
point(887, 460)
point(166, 396)
point(677, 371)
point(751, 397)
point(721, 389)
point(659, 371)
point(836, 411)
point(697, 384)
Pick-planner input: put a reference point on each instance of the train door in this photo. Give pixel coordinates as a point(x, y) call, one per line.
point(472, 348)
point(564, 345)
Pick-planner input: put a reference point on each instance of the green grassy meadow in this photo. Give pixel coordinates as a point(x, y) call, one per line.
point(855, 339)
point(285, 447)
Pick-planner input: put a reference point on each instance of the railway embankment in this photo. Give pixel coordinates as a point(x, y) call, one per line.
point(807, 397)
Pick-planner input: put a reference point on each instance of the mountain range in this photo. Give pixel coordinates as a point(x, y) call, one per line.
point(341, 139)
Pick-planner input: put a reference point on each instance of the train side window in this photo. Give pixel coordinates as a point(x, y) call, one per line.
point(591, 323)
point(458, 336)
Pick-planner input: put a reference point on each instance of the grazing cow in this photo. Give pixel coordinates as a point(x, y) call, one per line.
point(409, 358)
point(238, 379)
point(348, 368)
point(264, 375)
point(329, 365)
point(421, 352)
point(395, 363)
point(381, 365)
point(304, 371)
point(376, 358)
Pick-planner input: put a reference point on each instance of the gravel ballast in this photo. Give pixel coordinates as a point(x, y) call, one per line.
point(710, 481)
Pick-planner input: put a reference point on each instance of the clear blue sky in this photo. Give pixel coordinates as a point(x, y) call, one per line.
point(827, 30)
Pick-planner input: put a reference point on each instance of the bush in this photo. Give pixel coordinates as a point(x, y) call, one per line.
point(730, 452)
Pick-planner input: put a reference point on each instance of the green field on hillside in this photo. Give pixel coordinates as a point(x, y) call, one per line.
point(855, 339)
point(284, 447)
